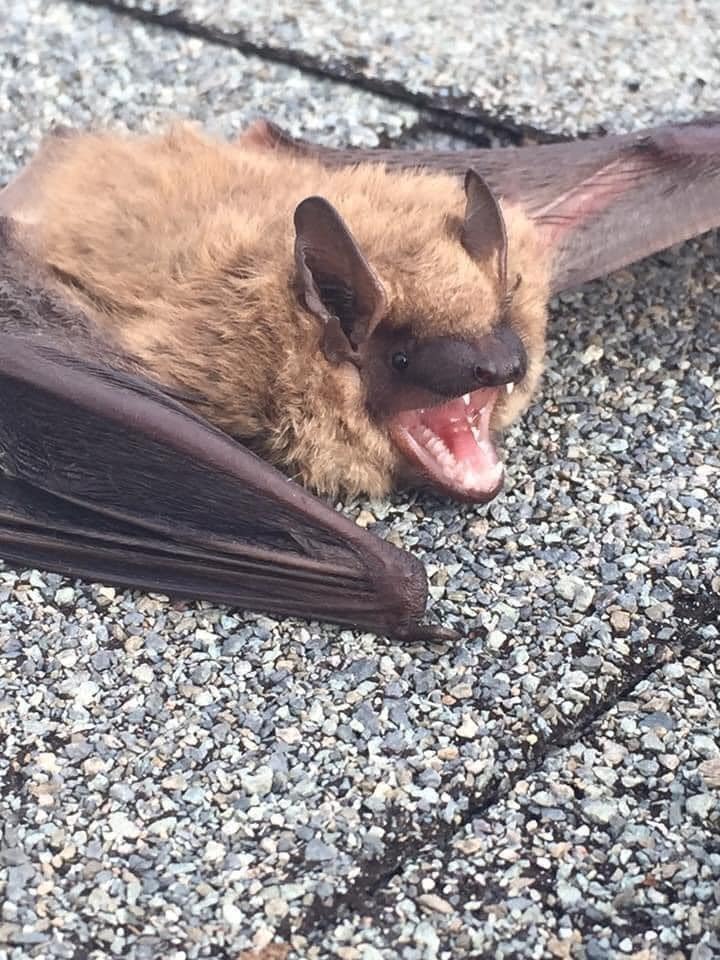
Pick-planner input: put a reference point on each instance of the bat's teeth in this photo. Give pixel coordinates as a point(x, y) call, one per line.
point(466, 398)
point(443, 456)
point(440, 450)
point(509, 387)
point(460, 474)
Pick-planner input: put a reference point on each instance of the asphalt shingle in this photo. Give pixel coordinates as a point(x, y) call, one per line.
point(561, 67)
point(183, 780)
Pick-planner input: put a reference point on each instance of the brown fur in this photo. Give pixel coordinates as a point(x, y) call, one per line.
point(181, 249)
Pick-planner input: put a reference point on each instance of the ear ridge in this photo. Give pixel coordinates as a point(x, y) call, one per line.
point(484, 233)
point(339, 286)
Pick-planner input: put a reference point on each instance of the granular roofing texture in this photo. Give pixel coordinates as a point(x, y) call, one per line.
point(563, 67)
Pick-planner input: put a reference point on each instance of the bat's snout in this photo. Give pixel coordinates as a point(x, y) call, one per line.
point(451, 367)
point(502, 358)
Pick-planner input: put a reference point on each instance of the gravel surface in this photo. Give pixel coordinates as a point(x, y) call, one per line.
point(561, 67)
point(60, 63)
point(611, 849)
point(185, 781)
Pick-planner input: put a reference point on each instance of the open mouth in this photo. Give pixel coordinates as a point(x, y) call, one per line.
point(451, 444)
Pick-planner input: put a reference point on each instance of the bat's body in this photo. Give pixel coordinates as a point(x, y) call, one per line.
point(182, 250)
point(358, 324)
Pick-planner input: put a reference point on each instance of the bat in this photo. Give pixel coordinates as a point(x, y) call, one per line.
point(360, 324)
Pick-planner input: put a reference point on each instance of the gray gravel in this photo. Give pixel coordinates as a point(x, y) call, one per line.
point(558, 66)
point(180, 780)
point(610, 850)
point(85, 67)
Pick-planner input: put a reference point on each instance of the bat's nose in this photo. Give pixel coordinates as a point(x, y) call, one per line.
point(501, 358)
point(452, 367)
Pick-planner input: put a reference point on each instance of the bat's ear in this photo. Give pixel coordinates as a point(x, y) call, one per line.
point(337, 283)
point(484, 234)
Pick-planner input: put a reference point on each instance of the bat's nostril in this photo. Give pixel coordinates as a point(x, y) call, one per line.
point(485, 371)
point(493, 371)
point(519, 367)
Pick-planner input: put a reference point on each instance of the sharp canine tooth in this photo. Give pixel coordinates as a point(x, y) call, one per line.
point(509, 387)
point(466, 398)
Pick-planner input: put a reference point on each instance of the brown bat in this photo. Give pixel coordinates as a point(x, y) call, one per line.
point(359, 324)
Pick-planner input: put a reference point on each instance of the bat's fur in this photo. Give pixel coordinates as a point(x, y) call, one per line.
point(181, 249)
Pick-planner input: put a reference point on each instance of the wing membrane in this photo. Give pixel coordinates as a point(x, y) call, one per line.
point(602, 203)
point(103, 475)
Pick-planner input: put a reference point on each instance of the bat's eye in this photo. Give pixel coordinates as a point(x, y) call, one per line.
point(400, 360)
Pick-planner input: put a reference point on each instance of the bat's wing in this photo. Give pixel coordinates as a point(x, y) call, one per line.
point(104, 476)
point(601, 203)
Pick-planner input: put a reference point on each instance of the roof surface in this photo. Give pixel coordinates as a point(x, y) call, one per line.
point(180, 780)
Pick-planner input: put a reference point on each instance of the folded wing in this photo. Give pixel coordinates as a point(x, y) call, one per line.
point(103, 475)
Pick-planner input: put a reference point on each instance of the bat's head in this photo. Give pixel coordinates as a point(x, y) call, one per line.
point(436, 386)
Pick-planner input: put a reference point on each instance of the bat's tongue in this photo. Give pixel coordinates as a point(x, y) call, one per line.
point(451, 445)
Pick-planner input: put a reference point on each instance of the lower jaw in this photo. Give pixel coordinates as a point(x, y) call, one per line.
point(417, 481)
point(412, 475)
point(449, 446)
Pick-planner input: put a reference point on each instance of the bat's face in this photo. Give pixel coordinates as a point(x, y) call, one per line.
point(442, 364)
point(437, 396)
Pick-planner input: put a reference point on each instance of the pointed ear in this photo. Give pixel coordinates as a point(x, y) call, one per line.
point(338, 284)
point(484, 231)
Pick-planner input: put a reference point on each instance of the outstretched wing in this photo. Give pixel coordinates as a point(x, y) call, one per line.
point(602, 203)
point(104, 476)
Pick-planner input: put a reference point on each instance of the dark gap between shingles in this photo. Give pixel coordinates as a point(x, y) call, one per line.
point(366, 894)
point(460, 115)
